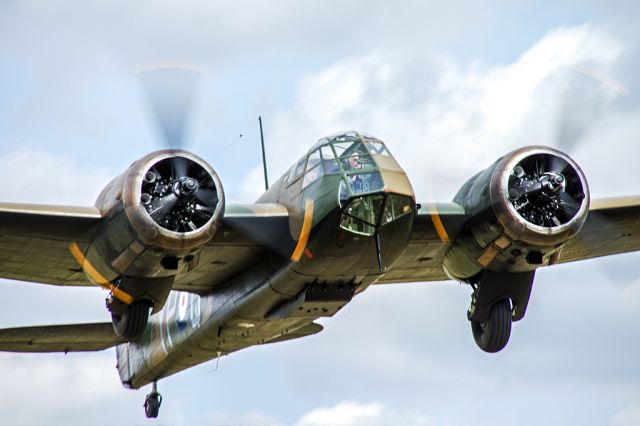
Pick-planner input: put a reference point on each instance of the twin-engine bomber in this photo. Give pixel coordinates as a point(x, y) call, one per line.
point(190, 278)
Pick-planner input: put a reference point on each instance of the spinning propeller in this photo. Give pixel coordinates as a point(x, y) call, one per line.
point(545, 189)
point(170, 91)
point(178, 193)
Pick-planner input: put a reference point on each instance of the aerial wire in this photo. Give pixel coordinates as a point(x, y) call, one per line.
point(233, 142)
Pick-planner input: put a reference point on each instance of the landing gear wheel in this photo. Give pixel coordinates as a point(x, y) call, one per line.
point(493, 334)
point(131, 323)
point(152, 403)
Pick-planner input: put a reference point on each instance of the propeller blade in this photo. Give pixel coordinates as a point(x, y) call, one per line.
point(170, 93)
point(179, 167)
point(587, 97)
point(558, 164)
point(207, 197)
point(568, 203)
point(168, 201)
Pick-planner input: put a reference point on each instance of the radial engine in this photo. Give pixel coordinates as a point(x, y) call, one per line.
point(158, 215)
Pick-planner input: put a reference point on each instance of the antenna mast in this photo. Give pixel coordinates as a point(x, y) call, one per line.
point(264, 157)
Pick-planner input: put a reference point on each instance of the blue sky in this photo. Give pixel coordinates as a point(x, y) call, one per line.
point(450, 87)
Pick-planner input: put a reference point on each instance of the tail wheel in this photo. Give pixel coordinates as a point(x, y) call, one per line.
point(131, 323)
point(493, 334)
point(152, 405)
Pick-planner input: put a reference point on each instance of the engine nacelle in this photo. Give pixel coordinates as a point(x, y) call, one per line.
point(523, 209)
point(159, 213)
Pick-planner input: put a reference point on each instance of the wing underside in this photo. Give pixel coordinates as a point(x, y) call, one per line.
point(59, 338)
point(612, 226)
point(35, 243)
point(247, 232)
point(435, 226)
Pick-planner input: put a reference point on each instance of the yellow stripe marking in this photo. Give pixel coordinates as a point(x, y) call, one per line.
point(437, 223)
point(304, 232)
point(96, 276)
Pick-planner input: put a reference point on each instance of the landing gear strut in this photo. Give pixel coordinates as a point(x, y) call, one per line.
point(152, 402)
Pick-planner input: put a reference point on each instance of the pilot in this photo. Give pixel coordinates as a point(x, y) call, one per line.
point(354, 161)
point(358, 183)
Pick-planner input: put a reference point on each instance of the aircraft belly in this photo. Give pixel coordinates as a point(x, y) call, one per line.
point(216, 265)
point(270, 301)
point(248, 311)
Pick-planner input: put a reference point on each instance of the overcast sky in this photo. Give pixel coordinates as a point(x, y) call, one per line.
point(449, 87)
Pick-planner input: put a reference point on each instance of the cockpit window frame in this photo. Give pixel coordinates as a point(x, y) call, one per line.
point(313, 168)
point(372, 147)
point(297, 170)
point(365, 145)
point(354, 212)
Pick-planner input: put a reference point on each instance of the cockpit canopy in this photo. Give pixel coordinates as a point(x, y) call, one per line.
point(351, 154)
point(357, 157)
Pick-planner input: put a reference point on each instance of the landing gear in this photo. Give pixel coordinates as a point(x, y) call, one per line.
point(493, 334)
point(498, 299)
point(152, 402)
point(132, 320)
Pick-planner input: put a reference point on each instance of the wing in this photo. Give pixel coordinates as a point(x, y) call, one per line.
point(34, 242)
point(35, 239)
point(612, 226)
point(59, 338)
point(248, 231)
point(435, 226)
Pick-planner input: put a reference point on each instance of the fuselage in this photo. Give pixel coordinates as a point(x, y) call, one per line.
point(350, 209)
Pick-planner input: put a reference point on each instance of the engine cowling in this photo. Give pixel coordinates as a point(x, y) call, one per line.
point(159, 213)
point(523, 209)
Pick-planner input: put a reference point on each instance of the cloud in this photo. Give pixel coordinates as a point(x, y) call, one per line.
point(630, 416)
point(249, 418)
point(211, 32)
point(350, 413)
point(31, 390)
point(251, 186)
point(38, 176)
point(425, 105)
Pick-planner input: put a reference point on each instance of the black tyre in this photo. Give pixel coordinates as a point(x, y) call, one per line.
point(493, 334)
point(152, 405)
point(133, 321)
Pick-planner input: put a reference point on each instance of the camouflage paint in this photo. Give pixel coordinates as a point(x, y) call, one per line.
point(276, 297)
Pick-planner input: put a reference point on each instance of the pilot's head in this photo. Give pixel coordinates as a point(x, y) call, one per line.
point(354, 160)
